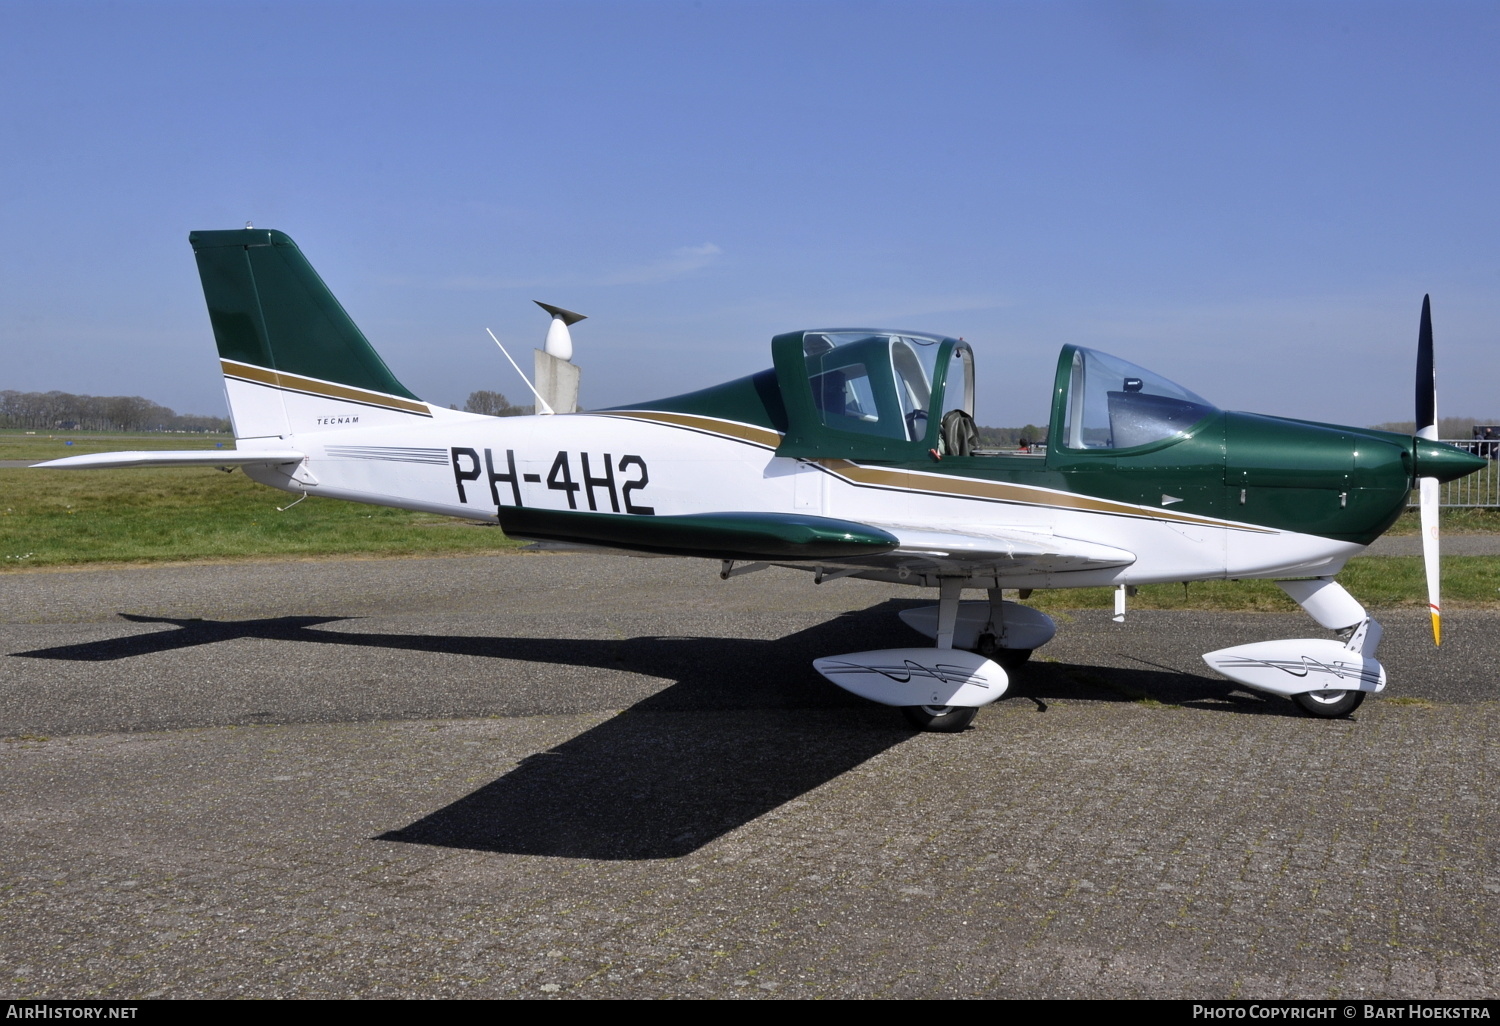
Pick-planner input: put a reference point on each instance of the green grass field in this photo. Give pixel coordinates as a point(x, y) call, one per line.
point(59, 518)
point(1454, 520)
point(71, 518)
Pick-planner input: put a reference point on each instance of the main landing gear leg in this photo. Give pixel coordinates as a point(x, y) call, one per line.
point(1325, 678)
point(943, 719)
point(949, 590)
point(938, 689)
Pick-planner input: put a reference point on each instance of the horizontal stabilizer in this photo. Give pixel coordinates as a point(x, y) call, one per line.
point(748, 536)
point(176, 458)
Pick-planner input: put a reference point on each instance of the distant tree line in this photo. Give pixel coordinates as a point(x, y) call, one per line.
point(63, 411)
point(493, 404)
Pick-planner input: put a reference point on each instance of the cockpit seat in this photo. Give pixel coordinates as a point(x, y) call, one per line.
point(959, 436)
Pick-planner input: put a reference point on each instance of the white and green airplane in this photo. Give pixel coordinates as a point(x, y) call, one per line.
point(854, 455)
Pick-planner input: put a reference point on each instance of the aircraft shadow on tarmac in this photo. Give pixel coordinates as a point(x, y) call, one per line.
point(761, 728)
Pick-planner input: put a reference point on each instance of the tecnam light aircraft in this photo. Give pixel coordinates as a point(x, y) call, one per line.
point(855, 455)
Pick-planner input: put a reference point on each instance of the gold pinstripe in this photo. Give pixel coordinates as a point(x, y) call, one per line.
point(713, 425)
point(297, 383)
point(1005, 491)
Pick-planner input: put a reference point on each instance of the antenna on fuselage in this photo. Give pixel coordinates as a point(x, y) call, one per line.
point(542, 403)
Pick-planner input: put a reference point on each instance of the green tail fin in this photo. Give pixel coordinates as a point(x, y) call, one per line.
point(270, 309)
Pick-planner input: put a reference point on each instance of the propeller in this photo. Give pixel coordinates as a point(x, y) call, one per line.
point(1427, 427)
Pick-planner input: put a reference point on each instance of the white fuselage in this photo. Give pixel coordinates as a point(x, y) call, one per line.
point(640, 462)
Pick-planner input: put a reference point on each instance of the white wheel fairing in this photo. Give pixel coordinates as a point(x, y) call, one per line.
point(917, 676)
point(1299, 666)
point(1021, 626)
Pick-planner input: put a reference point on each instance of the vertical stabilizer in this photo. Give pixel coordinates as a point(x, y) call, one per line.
point(292, 358)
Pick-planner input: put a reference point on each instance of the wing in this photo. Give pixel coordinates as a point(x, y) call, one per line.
point(793, 537)
point(176, 458)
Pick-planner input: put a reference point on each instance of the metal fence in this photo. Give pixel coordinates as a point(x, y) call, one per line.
point(1478, 489)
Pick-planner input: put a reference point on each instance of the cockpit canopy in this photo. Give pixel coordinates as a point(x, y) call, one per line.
point(861, 393)
point(1104, 402)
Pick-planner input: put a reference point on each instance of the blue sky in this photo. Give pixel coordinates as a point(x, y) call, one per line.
point(1250, 198)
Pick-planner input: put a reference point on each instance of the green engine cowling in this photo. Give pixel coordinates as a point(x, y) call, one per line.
point(1328, 480)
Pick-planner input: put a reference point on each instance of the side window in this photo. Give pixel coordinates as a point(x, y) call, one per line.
point(845, 394)
point(872, 383)
point(849, 397)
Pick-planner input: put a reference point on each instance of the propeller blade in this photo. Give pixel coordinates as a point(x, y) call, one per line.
point(1429, 512)
point(1426, 376)
point(1427, 427)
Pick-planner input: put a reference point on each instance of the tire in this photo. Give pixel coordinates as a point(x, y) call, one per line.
point(940, 719)
point(1328, 705)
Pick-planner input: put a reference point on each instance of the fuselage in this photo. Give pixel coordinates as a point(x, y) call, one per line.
point(1142, 480)
point(659, 463)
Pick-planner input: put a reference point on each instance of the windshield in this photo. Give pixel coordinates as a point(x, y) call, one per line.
point(1112, 404)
